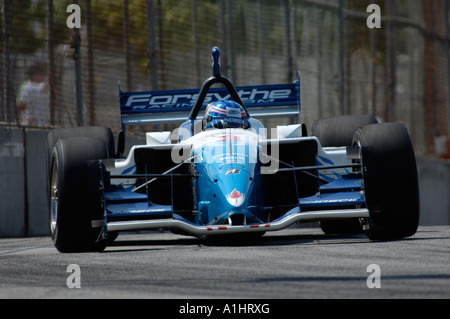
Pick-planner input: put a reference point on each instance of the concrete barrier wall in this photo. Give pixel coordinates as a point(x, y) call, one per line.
point(434, 183)
point(23, 185)
point(12, 183)
point(23, 190)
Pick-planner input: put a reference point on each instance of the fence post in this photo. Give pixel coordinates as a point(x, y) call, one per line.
point(222, 29)
point(7, 75)
point(51, 61)
point(194, 9)
point(447, 48)
point(262, 48)
point(231, 50)
point(90, 64)
point(162, 63)
point(126, 40)
point(341, 19)
point(78, 74)
point(287, 39)
point(430, 88)
point(391, 61)
point(152, 49)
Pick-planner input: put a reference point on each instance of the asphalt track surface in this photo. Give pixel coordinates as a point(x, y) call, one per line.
point(290, 264)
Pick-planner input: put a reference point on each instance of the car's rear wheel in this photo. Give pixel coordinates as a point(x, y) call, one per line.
point(75, 195)
point(390, 181)
point(338, 131)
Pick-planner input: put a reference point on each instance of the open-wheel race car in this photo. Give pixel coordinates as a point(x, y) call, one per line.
point(220, 174)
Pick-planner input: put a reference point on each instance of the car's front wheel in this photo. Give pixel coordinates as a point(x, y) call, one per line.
point(338, 132)
point(390, 181)
point(75, 195)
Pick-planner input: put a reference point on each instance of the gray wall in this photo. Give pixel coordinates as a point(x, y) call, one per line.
point(434, 183)
point(23, 190)
point(12, 183)
point(23, 187)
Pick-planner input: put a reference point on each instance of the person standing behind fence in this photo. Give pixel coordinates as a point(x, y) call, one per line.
point(33, 98)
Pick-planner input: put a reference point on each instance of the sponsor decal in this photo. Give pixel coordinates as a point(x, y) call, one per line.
point(235, 198)
point(135, 101)
point(233, 171)
point(234, 112)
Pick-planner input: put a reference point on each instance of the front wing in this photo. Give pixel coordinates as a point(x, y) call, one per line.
point(290, 218)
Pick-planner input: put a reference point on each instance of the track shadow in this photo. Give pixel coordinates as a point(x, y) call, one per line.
point(236, 240)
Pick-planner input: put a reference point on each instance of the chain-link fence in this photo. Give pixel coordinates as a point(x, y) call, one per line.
point(52, 75)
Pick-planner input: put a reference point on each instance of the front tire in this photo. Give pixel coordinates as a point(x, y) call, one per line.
point(337, 132)
point(75, 198)
point(390, 181)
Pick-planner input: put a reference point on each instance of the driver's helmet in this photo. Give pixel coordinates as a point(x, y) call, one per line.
point(225, 114)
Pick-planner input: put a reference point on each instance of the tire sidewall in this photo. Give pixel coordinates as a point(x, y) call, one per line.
point(390, 181)
point(337, 132)
point(76, 209)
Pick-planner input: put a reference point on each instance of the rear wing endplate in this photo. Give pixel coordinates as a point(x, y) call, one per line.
point(156, 107)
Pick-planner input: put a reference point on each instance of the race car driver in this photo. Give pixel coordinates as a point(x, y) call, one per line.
point(225, 114)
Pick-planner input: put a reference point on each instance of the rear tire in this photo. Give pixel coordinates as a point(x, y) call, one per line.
point(390, 181)
point(75, 196)
point(339, 131)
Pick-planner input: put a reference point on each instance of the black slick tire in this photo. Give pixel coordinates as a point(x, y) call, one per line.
point(337, 132)
point(390, 181)
point(75, 195)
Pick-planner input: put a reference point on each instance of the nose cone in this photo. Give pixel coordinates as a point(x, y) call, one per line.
point(226, 163)
point(235, 193)
point(226, 191)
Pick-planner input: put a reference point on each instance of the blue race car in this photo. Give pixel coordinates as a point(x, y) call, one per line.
point(221, 174)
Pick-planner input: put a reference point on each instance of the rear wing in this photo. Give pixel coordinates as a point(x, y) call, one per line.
point(156, 107)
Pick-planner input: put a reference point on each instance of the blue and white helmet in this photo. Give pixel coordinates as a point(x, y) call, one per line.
point(225, 114)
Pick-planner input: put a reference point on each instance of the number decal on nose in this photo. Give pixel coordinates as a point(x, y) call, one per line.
point(235, 198)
